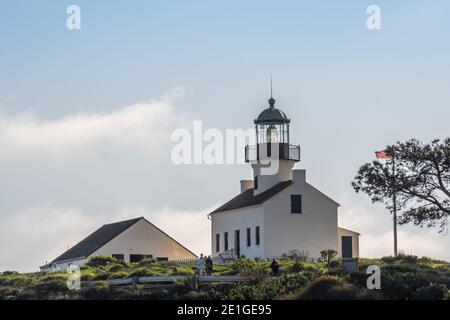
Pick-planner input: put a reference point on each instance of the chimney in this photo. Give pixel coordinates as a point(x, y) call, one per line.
point(299, 175)
point(247, 184)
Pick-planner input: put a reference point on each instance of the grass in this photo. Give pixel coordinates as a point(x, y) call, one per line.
point(403, 277)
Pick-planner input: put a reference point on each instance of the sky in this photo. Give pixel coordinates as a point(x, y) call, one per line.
point(86, 115)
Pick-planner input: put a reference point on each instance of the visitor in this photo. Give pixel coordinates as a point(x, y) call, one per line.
point(209, 266)
point(275, 267)
point(201, 265)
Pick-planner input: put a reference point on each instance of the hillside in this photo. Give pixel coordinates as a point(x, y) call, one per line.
point(403, 277)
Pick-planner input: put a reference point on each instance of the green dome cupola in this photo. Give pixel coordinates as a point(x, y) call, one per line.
point(272, 115)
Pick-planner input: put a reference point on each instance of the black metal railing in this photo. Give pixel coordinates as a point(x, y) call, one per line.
point(267, 151)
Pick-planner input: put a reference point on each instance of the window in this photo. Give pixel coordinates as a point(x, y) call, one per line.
point(217, 242)
point(256, 183)
point(296, 203)
point(119, 257)
point(237, 243)
point(159, 259)
point(257, 236)
point(249, 242)
point(136, 257)
point(225, 241)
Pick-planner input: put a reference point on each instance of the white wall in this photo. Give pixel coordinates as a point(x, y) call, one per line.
point(266, 181)
point(144, 238)
point(313, 230)
point(65, 264)
point(232, 220)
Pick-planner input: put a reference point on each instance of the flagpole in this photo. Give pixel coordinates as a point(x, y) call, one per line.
point(394, 200)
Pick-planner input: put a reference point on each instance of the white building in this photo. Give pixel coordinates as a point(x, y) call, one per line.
point(129, 240)
point(278, 211)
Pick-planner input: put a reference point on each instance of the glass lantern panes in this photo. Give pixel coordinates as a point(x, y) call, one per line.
point(272, 133)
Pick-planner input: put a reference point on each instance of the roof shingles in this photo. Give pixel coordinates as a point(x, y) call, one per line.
point(96, 240)
point(248, 198)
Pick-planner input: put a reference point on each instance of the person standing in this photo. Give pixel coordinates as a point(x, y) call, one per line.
point(275, 266)
point(201, 265)
point(209, 266)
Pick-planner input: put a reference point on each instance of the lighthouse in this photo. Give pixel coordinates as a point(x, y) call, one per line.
point(273, 157)
point(278, 212)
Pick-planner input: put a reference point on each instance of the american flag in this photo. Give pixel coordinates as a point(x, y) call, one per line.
point(382, 155)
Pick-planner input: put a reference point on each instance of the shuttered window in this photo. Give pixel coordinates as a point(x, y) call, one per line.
point(296, 203)
point(218, 242)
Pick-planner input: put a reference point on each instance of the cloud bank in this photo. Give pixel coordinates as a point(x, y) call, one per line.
point(61, 179)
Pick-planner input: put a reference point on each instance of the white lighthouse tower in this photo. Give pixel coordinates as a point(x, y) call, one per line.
point(278, 211)
point(273, 157)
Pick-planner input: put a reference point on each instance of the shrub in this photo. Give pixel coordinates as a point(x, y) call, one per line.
point(118, 275)
point(147, 262)
point(101, 276)
point(328, 254)
point(334, 263)
point(97, 291)
point(142, 272)
point(9, 273)
point(114, 267)
point(333, 288)
point(9, 292)
point(270, 288)
point(100, 261)
point(410, 259)
point(87, 275)
point(252, 269)
point(389, 259)
point(184, 270)
point(432, 292)
point(51, 286)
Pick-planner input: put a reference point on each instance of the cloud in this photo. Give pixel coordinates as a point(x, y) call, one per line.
point(143, 125)
point(40, 233)
point(34, 235)
point(375, 226)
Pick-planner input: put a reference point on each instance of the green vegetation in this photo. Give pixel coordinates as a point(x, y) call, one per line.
point(402, 277)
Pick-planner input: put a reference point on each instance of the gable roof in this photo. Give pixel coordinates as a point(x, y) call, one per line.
point(103, 235)
point(248, 198)
point(96, 240)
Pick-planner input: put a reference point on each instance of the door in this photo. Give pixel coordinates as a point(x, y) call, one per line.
point(347, 249)
point(237, 243)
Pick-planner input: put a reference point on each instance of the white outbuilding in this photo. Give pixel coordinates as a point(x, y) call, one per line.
point(130, 240)
point(278, 211)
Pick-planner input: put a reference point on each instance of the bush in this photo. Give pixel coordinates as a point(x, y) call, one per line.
point(142, 272)
point(410, 259)
point(389, 259)
point(50, 287)
point(114, 267)
point(252, 269)
point(432, 292)
point(271, 288)
point(184, 270)
point(9, 273)
point(118, 275)
point(333, 288)
point(96, 291)
point(9, 292)
point(101, 261)
point(147, 262)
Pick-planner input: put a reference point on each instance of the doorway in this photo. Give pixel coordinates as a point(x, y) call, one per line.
point(237, 243)
point(347, 247)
